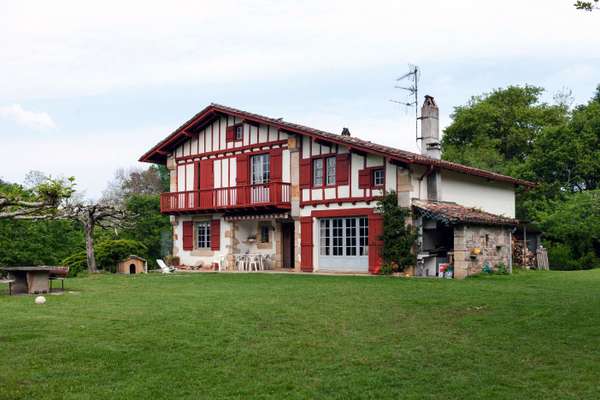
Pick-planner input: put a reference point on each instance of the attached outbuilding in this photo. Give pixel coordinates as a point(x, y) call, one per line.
point(468, 240)
point(132, 265)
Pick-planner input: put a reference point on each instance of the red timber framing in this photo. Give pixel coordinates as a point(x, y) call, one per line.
point(374, 241)
point(238, 195)
point(160, 152)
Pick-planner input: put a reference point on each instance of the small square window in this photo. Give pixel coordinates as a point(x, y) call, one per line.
point(239, 132)
point(378, 177)
point(264, 234)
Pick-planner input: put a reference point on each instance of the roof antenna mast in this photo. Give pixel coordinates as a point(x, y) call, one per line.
point(412, 78)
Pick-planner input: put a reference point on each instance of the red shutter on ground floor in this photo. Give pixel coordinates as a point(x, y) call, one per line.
point(305, 172)
point(188, 235)
point(342, 168)
point(364, 178)
point(375, 243)
point(215, 234)
point(306, 244)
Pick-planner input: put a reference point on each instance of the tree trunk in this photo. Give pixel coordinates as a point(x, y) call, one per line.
point(88, 227)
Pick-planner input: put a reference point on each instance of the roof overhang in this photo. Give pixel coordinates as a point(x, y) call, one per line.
point(158, 154)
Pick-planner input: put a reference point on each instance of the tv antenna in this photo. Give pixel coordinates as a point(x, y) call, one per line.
point(412, 79)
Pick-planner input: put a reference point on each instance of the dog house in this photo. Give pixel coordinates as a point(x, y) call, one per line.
point(132, 265)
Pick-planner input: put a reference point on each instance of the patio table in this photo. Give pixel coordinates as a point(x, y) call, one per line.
point(30, 279)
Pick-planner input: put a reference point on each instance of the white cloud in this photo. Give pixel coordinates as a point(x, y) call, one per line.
point(92, 156)
point(81, 48)
point(26, 118)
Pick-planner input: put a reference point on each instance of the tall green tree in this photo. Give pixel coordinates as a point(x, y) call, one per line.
point(149, 227)
point(497, 130)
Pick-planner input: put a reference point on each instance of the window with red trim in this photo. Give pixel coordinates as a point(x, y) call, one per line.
point(238, 132)
point(324, 171)
point(378, 177)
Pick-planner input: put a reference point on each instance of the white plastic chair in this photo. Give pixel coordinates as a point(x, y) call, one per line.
point(253, 263)
point(240, 263)
point(222, 264)
point(164, 268)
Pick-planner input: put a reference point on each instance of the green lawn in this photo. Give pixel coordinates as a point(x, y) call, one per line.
point(534, 335)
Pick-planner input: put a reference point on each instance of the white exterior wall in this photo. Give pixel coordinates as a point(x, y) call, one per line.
point(203, 256)
point(472, 191)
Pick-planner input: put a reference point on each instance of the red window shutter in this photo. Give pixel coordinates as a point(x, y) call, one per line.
point(305, 172)
point(342, 168)
point(196, 175)
point(275, 164)
point(375, 243)
point(206, 183)
point(206, 174)
point(215, 234)
point(243, 190)
point(188, 235)
point(306, 244)
point(364, 178)
point(230, 134)
point(242, 170)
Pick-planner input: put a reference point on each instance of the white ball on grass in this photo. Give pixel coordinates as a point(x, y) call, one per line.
point(40, 300)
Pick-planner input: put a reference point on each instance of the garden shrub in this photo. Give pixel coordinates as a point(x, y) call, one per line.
point(108, 254)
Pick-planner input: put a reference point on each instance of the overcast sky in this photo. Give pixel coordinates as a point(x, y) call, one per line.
point(87, 88)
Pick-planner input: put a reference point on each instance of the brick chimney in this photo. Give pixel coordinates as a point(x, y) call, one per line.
point(430, 129)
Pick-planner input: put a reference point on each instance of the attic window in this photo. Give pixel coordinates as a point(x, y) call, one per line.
point(239, 131)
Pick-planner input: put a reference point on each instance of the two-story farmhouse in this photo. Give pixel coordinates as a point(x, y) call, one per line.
point(246, 183)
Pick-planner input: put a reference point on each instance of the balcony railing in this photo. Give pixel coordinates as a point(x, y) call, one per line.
point(274, 194)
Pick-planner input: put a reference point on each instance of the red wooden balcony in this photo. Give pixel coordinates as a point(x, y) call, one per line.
point(270, 195)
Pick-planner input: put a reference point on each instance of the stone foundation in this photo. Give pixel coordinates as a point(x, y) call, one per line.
point(476, 246)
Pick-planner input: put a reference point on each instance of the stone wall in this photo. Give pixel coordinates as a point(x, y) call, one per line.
point(475, 246)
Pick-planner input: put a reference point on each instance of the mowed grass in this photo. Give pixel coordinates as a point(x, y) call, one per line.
point(533, 335)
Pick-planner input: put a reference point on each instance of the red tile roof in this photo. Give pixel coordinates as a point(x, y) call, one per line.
point(454, 213)
point(158, 152)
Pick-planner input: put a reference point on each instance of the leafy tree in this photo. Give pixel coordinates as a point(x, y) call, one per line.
point(572, 231)
point(398, 237)
point(497, 131)
point(92, 216)
point(42, 201)
point(151, 181)
point(587, 5)
point(149, 227)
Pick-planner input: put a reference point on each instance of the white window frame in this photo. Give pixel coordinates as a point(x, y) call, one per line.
point(344, 237)
point(239, 132)
point(330, 176)
point(318, 172)
point(379, 177)
point(260, 166)
point(203, 235)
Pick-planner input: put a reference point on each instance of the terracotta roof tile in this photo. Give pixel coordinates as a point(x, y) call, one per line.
point(454, 213)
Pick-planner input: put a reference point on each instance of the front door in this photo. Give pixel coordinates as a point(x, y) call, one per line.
point(287, 241)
